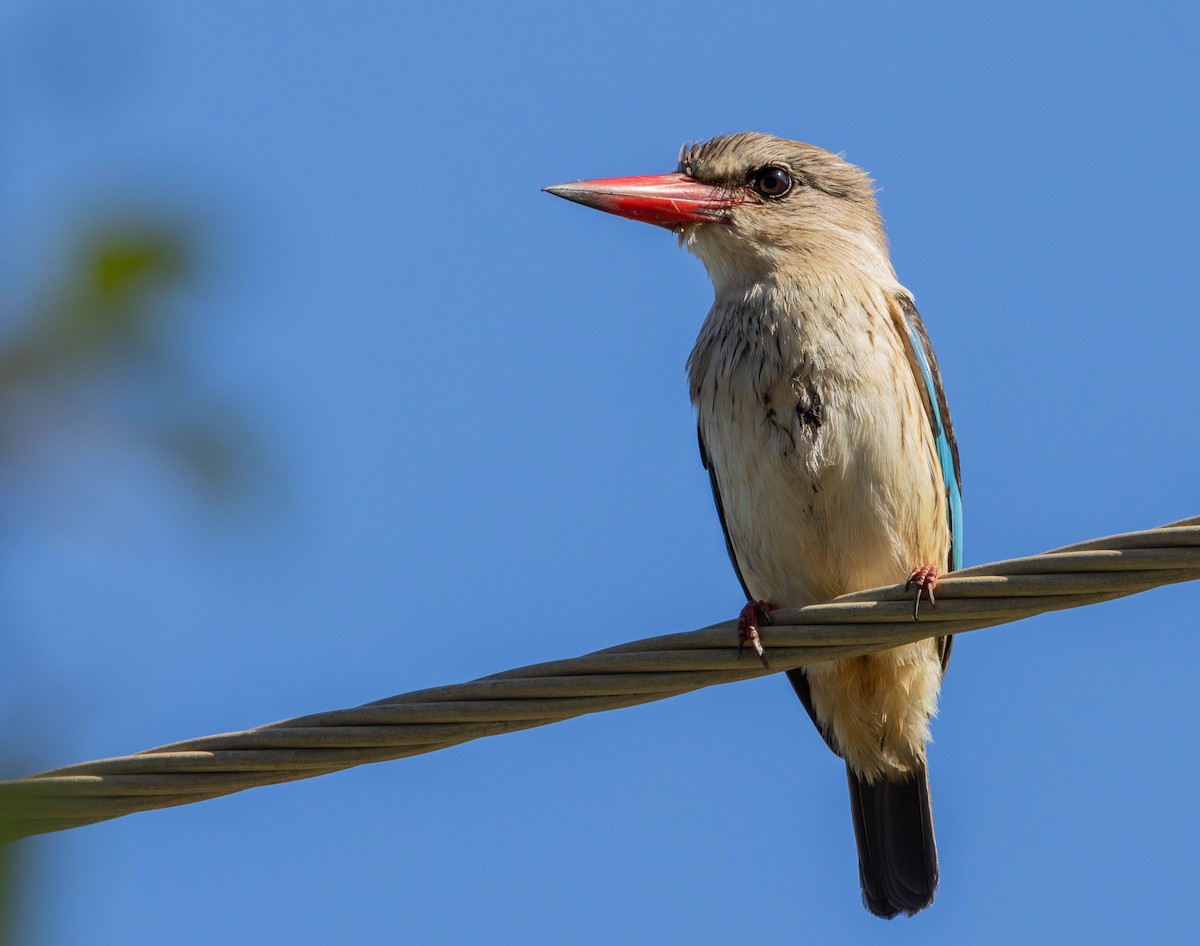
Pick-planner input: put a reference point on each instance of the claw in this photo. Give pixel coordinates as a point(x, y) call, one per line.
point(925, 578)
point(753, 614)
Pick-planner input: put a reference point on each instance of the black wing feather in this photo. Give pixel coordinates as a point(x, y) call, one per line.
point(716, 491)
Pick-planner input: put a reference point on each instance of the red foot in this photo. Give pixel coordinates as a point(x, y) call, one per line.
point(925, 578)
point(753, 614)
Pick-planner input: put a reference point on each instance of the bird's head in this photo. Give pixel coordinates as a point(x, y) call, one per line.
point(755, 207)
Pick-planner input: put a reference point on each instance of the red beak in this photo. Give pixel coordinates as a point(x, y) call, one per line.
point(666, 200)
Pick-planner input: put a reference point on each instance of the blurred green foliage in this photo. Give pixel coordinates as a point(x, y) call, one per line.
point(12, 878)
point(100, 351)
point(103, 304)
point(97, 347)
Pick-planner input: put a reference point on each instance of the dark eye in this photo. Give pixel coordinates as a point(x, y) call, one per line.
point(772, 182)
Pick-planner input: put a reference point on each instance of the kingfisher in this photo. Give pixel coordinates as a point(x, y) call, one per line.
point(824, 429)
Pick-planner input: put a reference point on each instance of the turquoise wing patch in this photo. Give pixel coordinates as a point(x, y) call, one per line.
point(944, 450)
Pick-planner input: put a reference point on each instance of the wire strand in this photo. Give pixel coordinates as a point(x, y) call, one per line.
point(638, 672)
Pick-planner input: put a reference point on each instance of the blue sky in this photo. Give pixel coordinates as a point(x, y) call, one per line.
point(472, 449)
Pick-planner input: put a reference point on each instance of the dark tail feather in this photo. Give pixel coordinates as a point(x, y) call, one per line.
point(897, 856)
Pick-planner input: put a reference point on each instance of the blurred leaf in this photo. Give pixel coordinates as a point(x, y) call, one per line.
point(121, 270)
point(108, 302)
point(10, 873)
point(96, 355)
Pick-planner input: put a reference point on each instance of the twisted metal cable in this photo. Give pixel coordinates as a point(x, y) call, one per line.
point(638, 672)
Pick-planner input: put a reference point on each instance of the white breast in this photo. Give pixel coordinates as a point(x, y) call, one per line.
point(818, 505)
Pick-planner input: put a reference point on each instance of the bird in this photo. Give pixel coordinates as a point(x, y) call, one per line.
point(825, 431)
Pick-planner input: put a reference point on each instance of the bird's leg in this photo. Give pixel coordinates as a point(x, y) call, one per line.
point(753, 614)
point(925, 579)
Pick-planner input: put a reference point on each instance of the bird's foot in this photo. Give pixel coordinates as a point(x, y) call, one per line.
point(924, 578)
point(753, 614)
